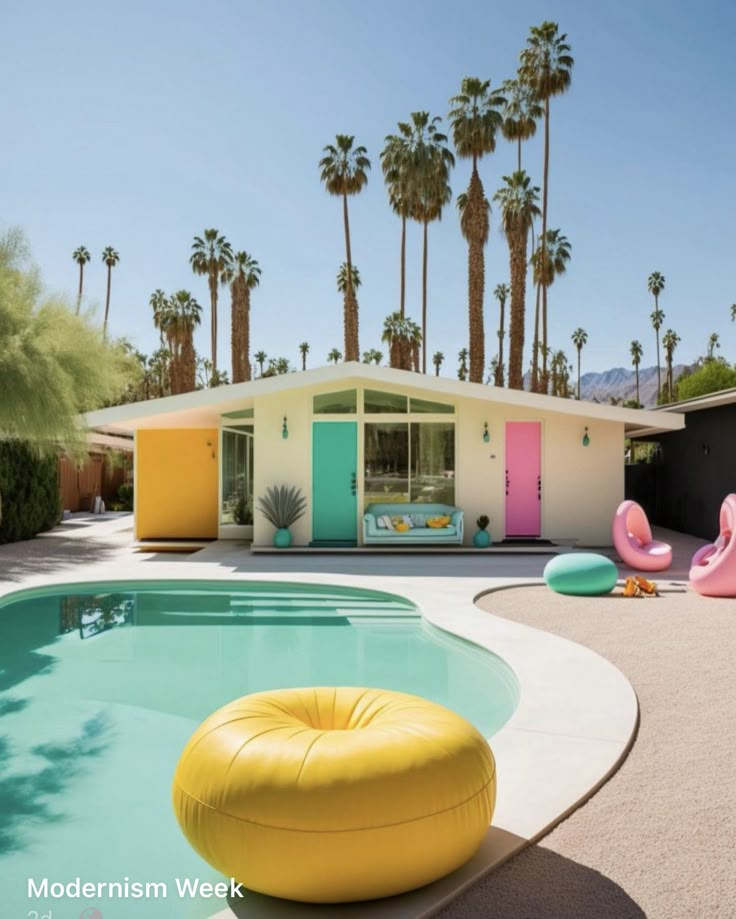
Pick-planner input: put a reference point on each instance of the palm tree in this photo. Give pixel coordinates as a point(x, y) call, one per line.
point(396, 166)
point(549, 260)
point(183, 315)
point(579, 338)
point(212, 255)
point(344, 172)
point(655, 285)
point(475, 119)
point(733, 312)
point(546, 67)
point(713, 343)
point(520, 114)
point(462, 370)
point(403, 337)
point(260, 359)
point(501, 293)
point(518, 201)
point(110, 258)
point(636, 351)
point(437, 359)
point(244, 275)
point(670, 340)
point(304, 351)
point(560, 370)
point(81, 256)
point(342, 278)
point(159, 303)
point(334, 356)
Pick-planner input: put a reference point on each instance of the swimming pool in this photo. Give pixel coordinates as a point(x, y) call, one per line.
point(102, 684)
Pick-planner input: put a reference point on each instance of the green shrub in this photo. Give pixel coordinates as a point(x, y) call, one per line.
point(713, 376)
point(29, 492)
point(125, 496)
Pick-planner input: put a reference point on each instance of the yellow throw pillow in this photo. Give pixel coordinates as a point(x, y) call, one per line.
point(437, 523)
point(401, 527)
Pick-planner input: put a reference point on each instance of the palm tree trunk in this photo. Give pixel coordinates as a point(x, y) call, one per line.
point(517, 257)
point(304, 360)
point(476, 277)
point(403, 265)
point(636, 368)
point(107, 302)
point(351, 305)
point(499, 369)
point(544, 240)
point(424, 302)
point(659, 382)
point(579, 351)
point(212, 279)
point(246, 336)
point(518, 153)
point(535, 347)
point(81, 280)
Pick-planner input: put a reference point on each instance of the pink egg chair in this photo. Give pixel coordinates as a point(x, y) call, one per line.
point(632, 537)
point(713, 568)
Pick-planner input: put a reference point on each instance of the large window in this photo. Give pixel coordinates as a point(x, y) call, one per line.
point(237, 476)
point(409, 462)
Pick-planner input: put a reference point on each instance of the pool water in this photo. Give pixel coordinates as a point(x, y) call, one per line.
point(102, 685)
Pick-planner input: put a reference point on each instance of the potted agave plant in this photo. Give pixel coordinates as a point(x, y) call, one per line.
point(282, 505)
point(482, 539)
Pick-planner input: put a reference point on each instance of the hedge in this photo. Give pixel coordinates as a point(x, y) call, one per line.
point(29, 492)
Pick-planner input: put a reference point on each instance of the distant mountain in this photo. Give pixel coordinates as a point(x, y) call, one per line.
point(620, 383)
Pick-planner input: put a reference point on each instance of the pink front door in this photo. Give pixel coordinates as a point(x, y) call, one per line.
point(523, 478)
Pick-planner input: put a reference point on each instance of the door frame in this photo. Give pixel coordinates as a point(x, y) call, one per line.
point(347, 418)
point(539, 424)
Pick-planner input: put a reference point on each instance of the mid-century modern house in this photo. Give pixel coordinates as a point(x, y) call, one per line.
point(694, 468)
point(353, 434)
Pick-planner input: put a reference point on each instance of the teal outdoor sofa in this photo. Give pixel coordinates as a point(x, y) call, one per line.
point(374, 535)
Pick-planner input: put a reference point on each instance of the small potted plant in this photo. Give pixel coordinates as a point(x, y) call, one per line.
point(282, 506)
point(482, 539)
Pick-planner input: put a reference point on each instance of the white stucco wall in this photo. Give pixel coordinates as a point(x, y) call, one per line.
point(581, 486)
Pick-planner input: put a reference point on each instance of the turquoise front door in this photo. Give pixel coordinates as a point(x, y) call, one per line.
point(334, 483)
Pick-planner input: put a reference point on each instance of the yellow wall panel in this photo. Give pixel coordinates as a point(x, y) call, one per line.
point(176, 483)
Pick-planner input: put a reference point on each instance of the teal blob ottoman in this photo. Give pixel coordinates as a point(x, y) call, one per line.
point(582, 574)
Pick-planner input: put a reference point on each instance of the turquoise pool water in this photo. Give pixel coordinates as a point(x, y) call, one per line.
point(101, 686)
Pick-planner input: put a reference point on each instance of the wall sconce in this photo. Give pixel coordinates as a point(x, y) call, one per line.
point(486, 435)
point(209, 444)
point(284, 429)
point(706, 449)
point(586, 438)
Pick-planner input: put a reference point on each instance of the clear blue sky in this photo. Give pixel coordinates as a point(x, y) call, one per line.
point(139, 124)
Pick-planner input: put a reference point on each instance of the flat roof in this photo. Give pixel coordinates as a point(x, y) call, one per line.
point(204, 407)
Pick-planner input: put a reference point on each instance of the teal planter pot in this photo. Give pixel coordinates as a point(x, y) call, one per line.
point(282, 538)
point(482, 539)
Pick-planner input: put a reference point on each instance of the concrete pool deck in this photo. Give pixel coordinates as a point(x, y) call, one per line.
point(575, 720)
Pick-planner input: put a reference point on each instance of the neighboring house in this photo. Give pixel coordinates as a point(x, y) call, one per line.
point(97, 477)
point(351, 434)
point(695, 468)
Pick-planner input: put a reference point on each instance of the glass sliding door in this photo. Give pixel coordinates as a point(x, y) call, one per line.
point(237, 477)
point(433, 462)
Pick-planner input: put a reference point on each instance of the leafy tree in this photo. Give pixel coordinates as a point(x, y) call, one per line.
point(579, 339)
point(712, 376)
point(335, 355)
point(437, 359)
point(501, 293)
point(304, 351)
point(53, 364)
point(655, 285)
point(372, 357)
point(344, 170)
point(81, 256)
point(518, 201)
point(560, 372)
point(462, 370)
point(110, 257)
point(212, 255)
point(474, 120)
point(636, 352)
point(546, 66)
point(520, 114)
point(243, 275)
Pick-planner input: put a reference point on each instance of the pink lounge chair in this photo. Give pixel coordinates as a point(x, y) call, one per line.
point(632, 537)
point(713, 568)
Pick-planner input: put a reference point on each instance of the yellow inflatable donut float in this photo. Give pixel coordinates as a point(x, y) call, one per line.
point(330, 795)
